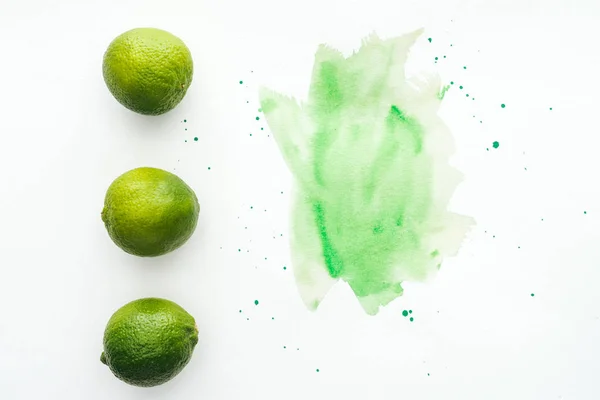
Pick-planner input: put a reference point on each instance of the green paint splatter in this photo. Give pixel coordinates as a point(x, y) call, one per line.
point(496, 145)
point(405, 313)
point(411, 319)
point(369, 156)
point(429, 40)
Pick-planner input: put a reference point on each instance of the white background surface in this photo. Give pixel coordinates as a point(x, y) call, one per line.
point(478, 333)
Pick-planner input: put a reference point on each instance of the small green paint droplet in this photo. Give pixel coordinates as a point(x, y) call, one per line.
point(496, 145)
point(318, 370)
point(428, 374)
point(460, 87)
point(284, 347)
point(262, 129)
point(195, 139)
point(436, 58)
point(452, 82)
point(273, 318)
point(532, 294)
point(257, 118)
point(185, 120)
point(503, 105)
point(410, 311)
point(411, 319)
point(255, 302)
point(405, 313)
point(444, 56)
point(429, 40)
point(186, 140)
point(284, 267)
point(250, 134)
point(240, 311)
point(550, 108)
point(467, 94)
point(209, 168)
point(239, 249)
point(585, 212)
point(465, 67)
point(241, 82)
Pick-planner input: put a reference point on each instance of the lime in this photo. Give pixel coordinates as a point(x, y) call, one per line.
point(148, 70)
point(149, 212)
point(149, 341)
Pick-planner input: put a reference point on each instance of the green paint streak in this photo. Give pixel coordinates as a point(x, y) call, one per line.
point(368, 154)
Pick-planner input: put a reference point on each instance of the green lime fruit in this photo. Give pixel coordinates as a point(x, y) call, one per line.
point(149, 212)
point(149, 341)
point(148, 70)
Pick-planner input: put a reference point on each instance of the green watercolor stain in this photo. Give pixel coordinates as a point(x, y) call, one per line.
point(496, 145)
point(550, 108)
point(369, 157)
point(503, 105)
point(460, 87)
point(255, 302)
point(195, 139)
point(442, 92)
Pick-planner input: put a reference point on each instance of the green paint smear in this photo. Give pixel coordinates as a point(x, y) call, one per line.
point(369, 156)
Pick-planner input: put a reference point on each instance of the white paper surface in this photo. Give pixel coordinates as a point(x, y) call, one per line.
point(477, 334)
